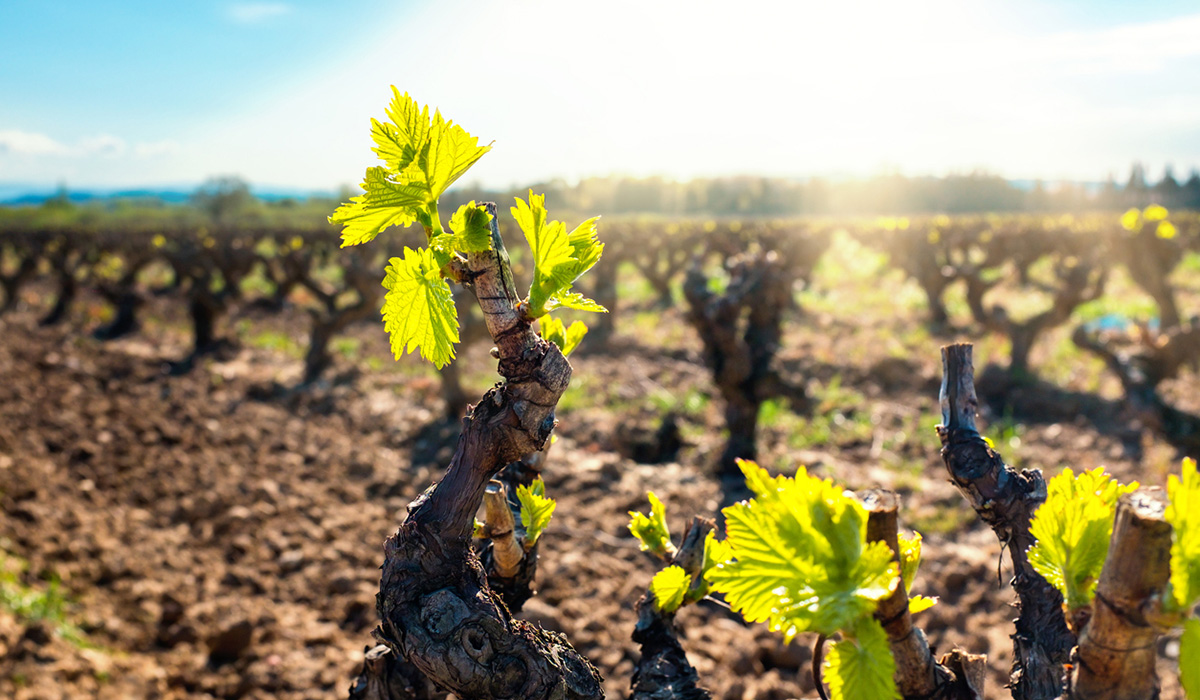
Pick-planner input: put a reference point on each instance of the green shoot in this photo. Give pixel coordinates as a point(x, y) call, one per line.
point(566, 338)
point(559, 258)
point(422, 156)
point(651, 530)
point(536, 510)
point(910, 559)
point(801, 562)
point(1073, 528)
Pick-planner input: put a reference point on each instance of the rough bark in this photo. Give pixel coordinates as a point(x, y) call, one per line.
point(436, 608)
point(1006, 499)
point(918, 675)
point(663, 672)
point(386, 677)
point(1118, 647)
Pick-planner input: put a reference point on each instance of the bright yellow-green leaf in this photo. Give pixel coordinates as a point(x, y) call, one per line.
point(1184, 516)
point(1073, 528)
point(800, 557)
point(861, 667)
point(386, 203)
point(470, 231)
point(418, 309)
point(652, 530)
point(1165, 229)
point(669, 587)
point(1155, 212)
point(559, 258)
point(920, 603)
point(1189, 659)
point(423, 155)
point(567, 339)
point(574, 300)
point(536, 510)
point(398, 141)
point(1131, 220)
point(448, 153)
point(716, 553)
point(910, 558)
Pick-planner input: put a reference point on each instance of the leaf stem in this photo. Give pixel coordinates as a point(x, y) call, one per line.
point(435, 218)
point(818, 648)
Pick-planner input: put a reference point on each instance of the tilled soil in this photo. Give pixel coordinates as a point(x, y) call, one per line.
point(211, 545)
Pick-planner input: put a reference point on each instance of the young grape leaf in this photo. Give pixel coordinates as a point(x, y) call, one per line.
point(418, 309)
point(423, 156)
point(920, 603)
point(669, 587)
point(574, 300)
point(398, 142)
point(1184, 516)
point(470, 231)
point(386, 203)
point(559, 258)
point(861, 667)
point(567, 339)
point(800, 560)
point(1189, 659)
point(1073, 528)
point(448, 153)
point(716, 553)
point(652, 530)
point(910, 558)
point(536, 510)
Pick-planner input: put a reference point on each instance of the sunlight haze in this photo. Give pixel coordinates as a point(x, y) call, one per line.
point(281, 92)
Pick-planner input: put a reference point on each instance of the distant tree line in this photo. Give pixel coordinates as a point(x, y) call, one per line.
point(885, 194)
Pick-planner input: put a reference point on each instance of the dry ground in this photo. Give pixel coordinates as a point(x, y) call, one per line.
point(211, 545)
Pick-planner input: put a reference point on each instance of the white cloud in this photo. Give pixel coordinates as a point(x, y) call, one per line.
point(255, 12)
point(28, 143)
point(105, 145)
point(157, 149)
point(694, 89)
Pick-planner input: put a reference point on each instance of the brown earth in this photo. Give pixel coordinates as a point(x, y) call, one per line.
point(211, 545)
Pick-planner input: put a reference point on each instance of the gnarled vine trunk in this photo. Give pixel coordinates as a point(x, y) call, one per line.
point(438, 612)
point(1006, 500)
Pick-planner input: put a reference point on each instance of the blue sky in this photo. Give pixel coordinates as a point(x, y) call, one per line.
point(104, 94)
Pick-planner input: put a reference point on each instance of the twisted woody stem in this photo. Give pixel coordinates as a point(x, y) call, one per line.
point(1006, 500)
point(437, 610)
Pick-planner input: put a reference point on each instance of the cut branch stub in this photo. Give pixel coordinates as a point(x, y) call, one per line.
point(434, 600)
point(918, 675)
point(1006, 500)
point(1118, 650)
point(501, 530)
